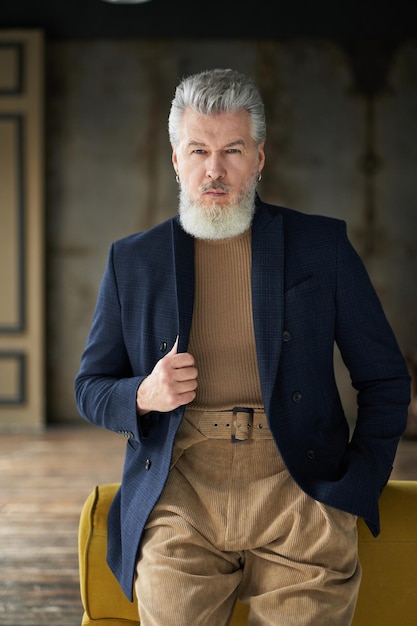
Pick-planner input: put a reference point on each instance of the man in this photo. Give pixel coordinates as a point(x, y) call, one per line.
point(211, 350)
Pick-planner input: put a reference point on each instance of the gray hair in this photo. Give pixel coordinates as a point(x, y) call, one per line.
point(217, 91)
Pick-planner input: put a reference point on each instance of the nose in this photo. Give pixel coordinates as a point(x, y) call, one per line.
point(214, 168)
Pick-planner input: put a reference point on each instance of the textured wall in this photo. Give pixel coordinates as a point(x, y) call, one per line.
point(341, 141)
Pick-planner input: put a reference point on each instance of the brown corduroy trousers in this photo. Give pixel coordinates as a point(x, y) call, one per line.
point(232, 523)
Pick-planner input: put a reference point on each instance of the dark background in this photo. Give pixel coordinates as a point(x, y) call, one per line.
point(214, 18)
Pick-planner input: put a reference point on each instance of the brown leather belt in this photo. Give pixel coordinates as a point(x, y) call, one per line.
point(238, 424)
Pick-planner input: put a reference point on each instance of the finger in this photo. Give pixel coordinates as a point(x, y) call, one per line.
point(174, 348)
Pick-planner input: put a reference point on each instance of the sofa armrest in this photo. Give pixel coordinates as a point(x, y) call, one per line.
point(103, 600)
point(388, 594)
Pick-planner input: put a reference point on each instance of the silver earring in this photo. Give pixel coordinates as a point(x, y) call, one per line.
point(177, 178)
point(259, 177)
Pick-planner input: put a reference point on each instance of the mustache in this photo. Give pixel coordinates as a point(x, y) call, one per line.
point(216, 184)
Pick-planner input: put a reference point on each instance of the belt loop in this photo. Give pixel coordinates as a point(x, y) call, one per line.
point(242, 430)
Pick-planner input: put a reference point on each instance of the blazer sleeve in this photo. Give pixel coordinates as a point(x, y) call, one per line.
point(380, 376)
point(105, 386)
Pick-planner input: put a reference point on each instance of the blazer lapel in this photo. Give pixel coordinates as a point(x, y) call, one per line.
point(183, 253)
point(267, 295)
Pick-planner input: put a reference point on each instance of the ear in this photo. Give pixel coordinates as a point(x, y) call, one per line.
point(174, 160)
point(261, 157)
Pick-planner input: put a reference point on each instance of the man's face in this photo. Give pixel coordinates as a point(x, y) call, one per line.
point(218, 163)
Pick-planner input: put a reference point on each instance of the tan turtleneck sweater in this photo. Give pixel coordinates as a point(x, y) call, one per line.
point(222, 337)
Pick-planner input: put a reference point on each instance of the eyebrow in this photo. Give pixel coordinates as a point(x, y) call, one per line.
point(231, 144)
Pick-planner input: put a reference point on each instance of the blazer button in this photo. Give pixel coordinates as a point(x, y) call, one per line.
point(297, 396)
point(148, 464)
point(163, 346)
point(286, 335)
point(311, 454)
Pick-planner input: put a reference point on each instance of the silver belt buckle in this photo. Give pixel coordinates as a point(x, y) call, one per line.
point(242, 428)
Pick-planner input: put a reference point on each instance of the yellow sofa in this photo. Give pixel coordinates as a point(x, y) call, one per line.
point(388, 594)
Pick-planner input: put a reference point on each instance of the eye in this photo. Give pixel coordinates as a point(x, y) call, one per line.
point(233, 151)
point(199, 151)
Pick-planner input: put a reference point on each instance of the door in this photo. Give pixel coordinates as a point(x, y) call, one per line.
point(22, 405)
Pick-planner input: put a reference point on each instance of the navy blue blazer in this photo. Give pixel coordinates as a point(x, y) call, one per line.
point(309, 289)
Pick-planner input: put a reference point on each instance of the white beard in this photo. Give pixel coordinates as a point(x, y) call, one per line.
point(217, 221)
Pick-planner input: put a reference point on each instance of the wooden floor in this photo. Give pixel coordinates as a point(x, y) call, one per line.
point(44, 480)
